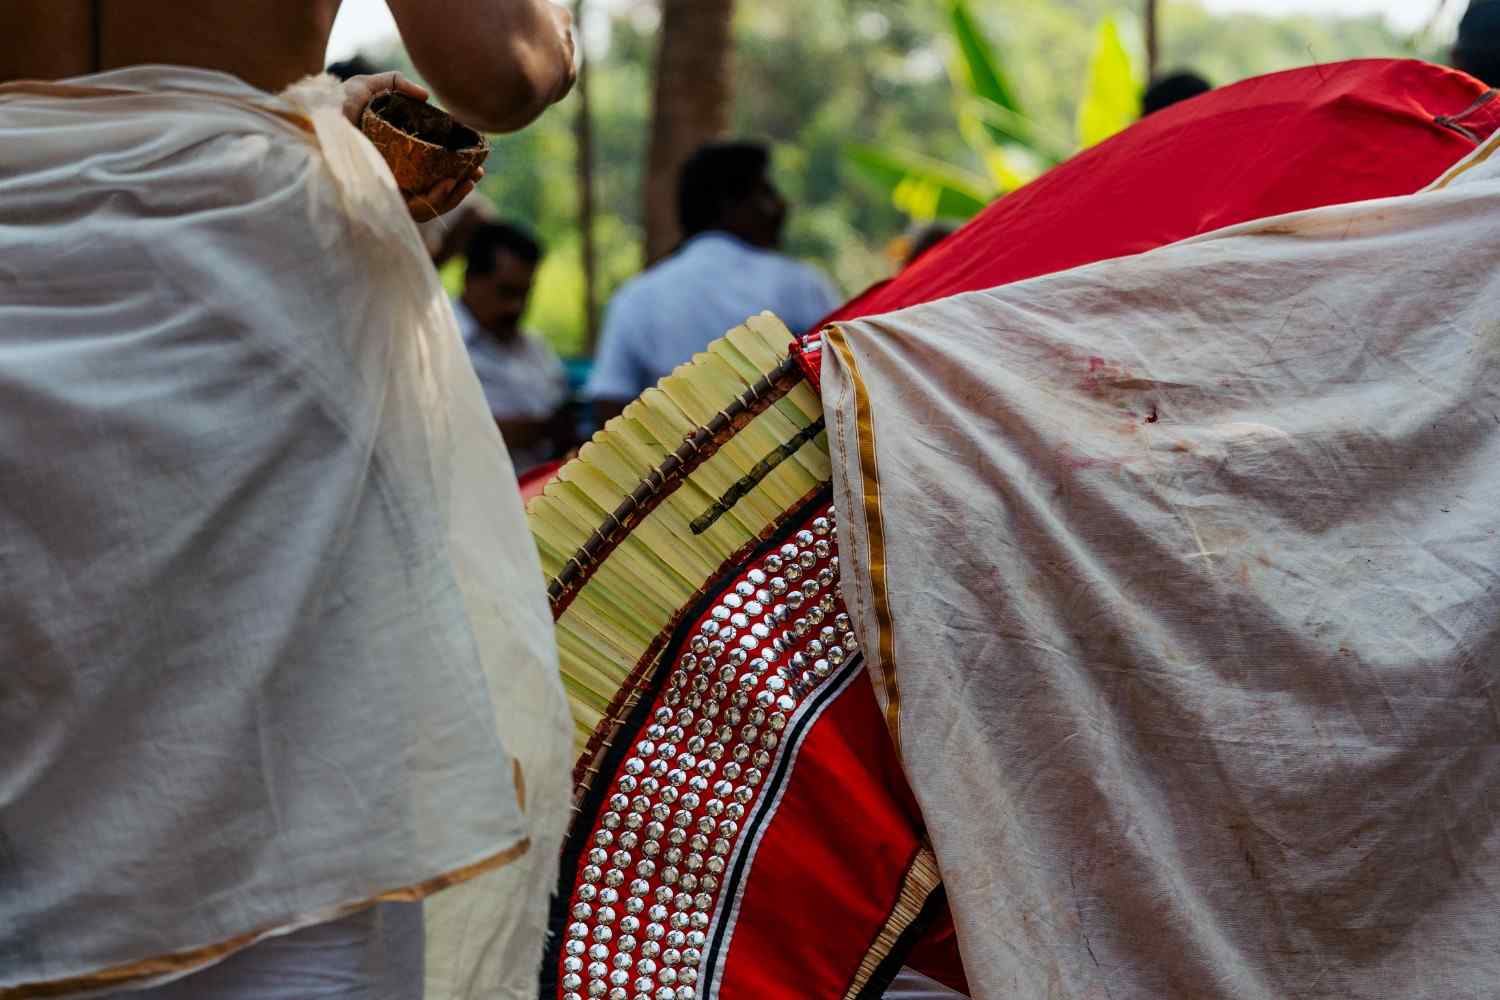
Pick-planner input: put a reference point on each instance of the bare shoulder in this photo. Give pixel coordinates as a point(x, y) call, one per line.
point(496, 63)
point(270, 43)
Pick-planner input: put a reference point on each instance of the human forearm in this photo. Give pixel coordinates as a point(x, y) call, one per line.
point(445, 195)
point(496, 64)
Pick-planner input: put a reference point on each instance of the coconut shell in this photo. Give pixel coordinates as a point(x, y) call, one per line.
point(422, 144)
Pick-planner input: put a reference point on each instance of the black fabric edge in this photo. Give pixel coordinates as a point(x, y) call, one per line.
point(880, 980)
point(1454, 122)
point(575, 845)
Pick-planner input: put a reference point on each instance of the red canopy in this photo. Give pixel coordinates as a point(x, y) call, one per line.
point(534, 480)
point(1319, 135)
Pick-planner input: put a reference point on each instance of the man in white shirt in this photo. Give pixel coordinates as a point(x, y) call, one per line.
point(726, 270)
point(523, 379)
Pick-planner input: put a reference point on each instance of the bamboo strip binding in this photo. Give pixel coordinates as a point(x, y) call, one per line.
point(693, 452)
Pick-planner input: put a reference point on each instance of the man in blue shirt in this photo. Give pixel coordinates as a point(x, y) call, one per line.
point(726, 270)
point(1476, 50)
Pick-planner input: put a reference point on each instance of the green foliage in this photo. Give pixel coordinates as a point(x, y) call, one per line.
point(1231, 47)
point(1001, 136)
point(920, 186)
point(817, 77)
point(976, 63)
point(1111, 97)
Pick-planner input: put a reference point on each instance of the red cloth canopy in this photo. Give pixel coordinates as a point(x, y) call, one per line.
point(1303, 138)
point(533, 481)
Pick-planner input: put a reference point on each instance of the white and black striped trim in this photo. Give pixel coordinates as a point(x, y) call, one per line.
point(721, 930)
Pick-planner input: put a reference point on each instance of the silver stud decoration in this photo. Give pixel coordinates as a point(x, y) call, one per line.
point(675, 813)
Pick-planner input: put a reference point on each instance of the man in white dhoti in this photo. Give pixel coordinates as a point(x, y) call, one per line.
point(274, 666)
point(1177, 578)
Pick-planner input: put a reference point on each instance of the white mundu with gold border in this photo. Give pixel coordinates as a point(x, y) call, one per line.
point(275, 643)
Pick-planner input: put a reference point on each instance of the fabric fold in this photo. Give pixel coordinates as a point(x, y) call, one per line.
point(1190, 566)
point(275, 642)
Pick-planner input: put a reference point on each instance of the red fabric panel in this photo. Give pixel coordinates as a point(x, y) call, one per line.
point(1304, 138)
point(534, 480)
point(665, 844)
point(936, 954)
point(830, 865)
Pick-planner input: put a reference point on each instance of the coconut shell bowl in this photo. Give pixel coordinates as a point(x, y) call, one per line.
point(423, 144)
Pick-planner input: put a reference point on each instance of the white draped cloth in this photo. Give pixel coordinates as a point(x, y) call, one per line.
point(1179, 580)
point(912, 985)
point(274, 638)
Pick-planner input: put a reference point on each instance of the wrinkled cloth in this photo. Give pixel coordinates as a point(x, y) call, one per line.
point(372, 954)
point(275, 642)
point(1178, 577)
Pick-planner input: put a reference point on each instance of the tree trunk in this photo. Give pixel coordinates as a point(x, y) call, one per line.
point(693, 91)
point(1153, 41)
point(584, 133)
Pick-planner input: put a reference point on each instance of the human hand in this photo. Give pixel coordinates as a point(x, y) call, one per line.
point(442, 198)
point(360, 90)
point(498, 64)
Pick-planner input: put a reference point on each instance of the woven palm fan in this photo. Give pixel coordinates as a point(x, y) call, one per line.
point(693, 573)
point(691, 477)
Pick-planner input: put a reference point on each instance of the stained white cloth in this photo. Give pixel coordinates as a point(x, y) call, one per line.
point(522, 379)
point(373, 954)
point(274, 641)
point(1192, 569)
point(665, 315)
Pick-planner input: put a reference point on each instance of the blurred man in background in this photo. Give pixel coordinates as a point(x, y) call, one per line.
point(358, 64)
point(1166, 91)
point(726, 270)
point(924, 239)
point(1476, 51)
point(523, 378)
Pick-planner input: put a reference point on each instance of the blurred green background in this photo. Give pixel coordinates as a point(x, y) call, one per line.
point(815, 77)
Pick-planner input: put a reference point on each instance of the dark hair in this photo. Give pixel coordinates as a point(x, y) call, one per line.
point(928, 237)
point(1476, 51)
point(713, 178)
point(1168, 90)
point(492, 237)
point(355, 66)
